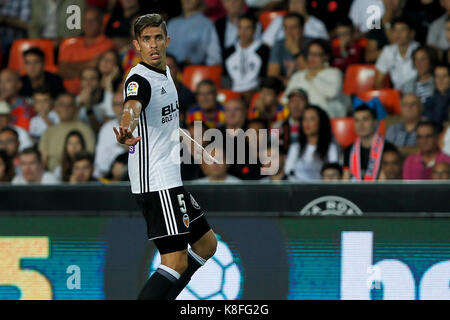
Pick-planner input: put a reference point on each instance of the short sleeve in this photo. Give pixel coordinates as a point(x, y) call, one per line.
point(384, 62)
point(137, 88)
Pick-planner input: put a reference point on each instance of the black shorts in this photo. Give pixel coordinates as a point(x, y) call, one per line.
point(173, 218)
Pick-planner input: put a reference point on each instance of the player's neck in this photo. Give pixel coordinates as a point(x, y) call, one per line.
point(160, 67)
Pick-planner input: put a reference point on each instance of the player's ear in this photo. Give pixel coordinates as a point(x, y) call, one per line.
point(136, 45)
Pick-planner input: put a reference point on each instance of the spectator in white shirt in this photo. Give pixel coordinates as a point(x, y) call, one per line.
point(32, 171)
point(396, 59)
point(45, 117)
point(436, 32)
point(107, 146)
point(322, 83)
point(314, 147)
point(313, 28)
point(367, 14)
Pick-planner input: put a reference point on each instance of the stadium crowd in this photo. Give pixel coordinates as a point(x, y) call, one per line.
point(354, 90)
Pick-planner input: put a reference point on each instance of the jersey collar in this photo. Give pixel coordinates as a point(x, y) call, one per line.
point(153, 68)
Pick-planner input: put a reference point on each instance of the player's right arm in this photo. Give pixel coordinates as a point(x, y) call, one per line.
point(137, 97)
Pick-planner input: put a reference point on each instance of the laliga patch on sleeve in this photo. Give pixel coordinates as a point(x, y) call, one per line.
point(132, 89)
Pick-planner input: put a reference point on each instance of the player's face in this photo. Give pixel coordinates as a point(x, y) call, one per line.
point(152, 45)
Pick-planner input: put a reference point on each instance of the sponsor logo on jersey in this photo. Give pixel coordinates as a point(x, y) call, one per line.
point(194, 203)
point(132, 89)
point(331, 205)
point(170, 112)
point(162, 90)
point(186, 220)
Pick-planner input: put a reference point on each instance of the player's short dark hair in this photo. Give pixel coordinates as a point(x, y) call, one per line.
point(249, 16)
point(403, 20)
point(31, 150)
point(84, 155)
point(11, 130)
point(272, 83)
point(149, 20)
point(36, 51)
point(331, 165)
point(299, 17)
point(365, 107)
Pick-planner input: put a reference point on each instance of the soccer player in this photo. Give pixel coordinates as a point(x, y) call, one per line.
point(150, 117)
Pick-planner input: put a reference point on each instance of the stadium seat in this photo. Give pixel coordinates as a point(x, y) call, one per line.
point(390, 98)
point(223, 95)
point(266, 17)
point(192, 75)
point(360, 77)
point(16, 62)
point(344, 130)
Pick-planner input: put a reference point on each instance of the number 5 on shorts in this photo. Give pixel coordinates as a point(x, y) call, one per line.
point(181, 203)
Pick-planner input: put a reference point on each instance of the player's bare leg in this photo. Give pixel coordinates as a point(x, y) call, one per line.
point(198, 254)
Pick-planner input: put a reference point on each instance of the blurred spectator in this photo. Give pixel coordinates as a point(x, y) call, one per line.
point(446, 55)
point(84, 52)
point(94, 103)
point(403, 133)
point(436, 32)
point(208, 109)
point(257, 130)
point(313, 27)
point(289, 128)
point(129, 55)
point(273, 159)
point(437, 107)
point(396, 59)
point(382, 36)
point(82, 168)
point(227, 27)
point(46, 116)
point(21, 110)
point(190, 165)
point(14, 18)
point(367, 14)
point(323, 84)
point(185, 96)
point(120, 22)
point(202, 45)
point(391, 165)
point(110, 68)
point(7, 171)
point(348, 50)
point(49, 19)
point(214, 9)
point(108, 148)
point(119, 169)
point(419, 166)
point(9, 143)
point(331, 172)
point(288, 55)
point(51, 144)
point(267, 106)
point(216, 172)
point(234, 132)
point(23, 138)
point(362, 160)
point(32, 170)
point(441, 171)
point(73, 143)
point(246, 61)
point(36, 76)
point(315, 146)
point(424, 60)
point(263, 5)
point(423, 13)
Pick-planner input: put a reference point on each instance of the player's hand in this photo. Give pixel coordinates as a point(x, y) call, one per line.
point(124, 136)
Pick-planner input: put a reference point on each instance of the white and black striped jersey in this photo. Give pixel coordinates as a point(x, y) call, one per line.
point(154, 162)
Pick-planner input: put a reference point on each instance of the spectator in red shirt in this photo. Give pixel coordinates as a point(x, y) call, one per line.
point(21, 111)
point(419, 166)
point(345, 49)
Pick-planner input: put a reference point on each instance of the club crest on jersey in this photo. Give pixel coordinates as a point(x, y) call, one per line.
point(194, 203)
point(186, 220)
point(132, 89)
